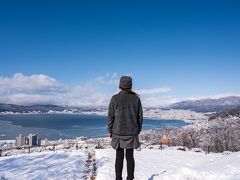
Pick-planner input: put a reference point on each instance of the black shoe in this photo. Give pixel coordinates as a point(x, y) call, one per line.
point(119, 178)
point(128, 178)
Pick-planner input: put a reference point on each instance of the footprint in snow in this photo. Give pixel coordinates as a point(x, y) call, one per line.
point(154, 175)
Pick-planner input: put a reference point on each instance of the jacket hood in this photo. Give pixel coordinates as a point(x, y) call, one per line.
point(125, 82)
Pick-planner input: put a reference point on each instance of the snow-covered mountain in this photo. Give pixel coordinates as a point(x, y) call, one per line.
point(235, 112)
point(173, 111)
point(152, 113)
point(208, 105)
point(33, 108)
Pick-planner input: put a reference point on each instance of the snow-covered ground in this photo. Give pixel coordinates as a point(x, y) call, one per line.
point(154, 164)
point(44, 165)
point(150, 164)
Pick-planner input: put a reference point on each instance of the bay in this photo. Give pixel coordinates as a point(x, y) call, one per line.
point(65, 126)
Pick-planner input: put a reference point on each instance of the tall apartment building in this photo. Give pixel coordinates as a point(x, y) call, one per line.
point(32, 140)
point(20, 140)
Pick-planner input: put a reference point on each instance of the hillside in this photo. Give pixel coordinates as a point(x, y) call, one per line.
point(208, 105)
point(235, 112)
point(21, 109)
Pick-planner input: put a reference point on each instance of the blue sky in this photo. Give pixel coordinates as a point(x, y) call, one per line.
point(191, 48)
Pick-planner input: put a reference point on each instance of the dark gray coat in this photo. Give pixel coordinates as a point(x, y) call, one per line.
point(125, 114)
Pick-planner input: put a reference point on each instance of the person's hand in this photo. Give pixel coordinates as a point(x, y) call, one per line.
point(110, 135)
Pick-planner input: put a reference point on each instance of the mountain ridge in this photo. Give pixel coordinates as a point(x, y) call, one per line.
point(27, 108)
point(202, 105)
point(208, 105)
point(235, 112)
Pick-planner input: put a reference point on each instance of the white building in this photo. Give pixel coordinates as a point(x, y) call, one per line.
point(20, 141)
point(43, 142)
point(32, 140)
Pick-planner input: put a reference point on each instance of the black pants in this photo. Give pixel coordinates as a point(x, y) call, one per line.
point(119, 163)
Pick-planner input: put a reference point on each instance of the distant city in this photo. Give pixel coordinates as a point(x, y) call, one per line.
point(30, 140)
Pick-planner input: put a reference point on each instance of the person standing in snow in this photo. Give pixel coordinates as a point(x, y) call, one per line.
point(125, 119)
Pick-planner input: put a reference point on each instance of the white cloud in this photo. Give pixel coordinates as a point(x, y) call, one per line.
point(108, 79)
point(153, 91)
point(28, 99)
point(84, 95)
point(32, 84)
point(43, 89)
point(158, 101)
point(216, 96)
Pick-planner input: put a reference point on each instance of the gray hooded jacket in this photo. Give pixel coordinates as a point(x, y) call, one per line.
point(125, 114)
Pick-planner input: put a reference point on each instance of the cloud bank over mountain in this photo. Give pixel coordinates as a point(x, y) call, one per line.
point(43, 89)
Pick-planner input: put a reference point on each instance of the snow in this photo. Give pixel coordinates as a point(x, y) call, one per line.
point(151, 113)
point(7, 141)
point(158, 113)
point(44, 165)
point(154, 164)
point(150, 164)
point(179, 114)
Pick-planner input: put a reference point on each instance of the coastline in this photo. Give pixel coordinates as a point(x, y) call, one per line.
point(11, 129)
point(153, 114)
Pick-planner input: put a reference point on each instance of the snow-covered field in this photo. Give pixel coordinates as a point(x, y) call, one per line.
point(154, 164)
point(44, 165)
point(150, 164)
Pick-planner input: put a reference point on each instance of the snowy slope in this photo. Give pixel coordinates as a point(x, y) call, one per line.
point(208, 105)
point(150, 164)
point(44, 165)
point(154, 164)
